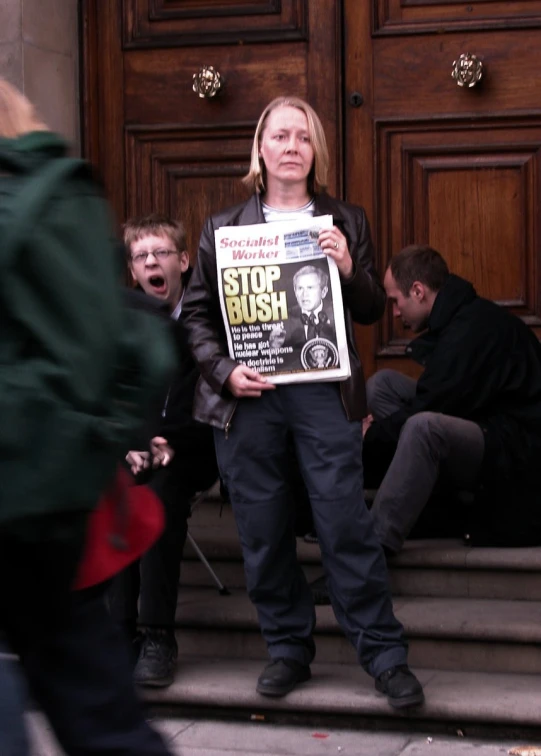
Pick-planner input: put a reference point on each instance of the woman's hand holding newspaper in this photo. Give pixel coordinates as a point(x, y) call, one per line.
point(333, 242)
point(245, 382)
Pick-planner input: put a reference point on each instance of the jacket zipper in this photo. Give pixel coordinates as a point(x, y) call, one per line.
point(164, 410)
point(343, 402)
point(228, 423)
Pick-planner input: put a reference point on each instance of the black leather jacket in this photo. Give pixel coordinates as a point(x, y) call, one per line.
point(363, 295)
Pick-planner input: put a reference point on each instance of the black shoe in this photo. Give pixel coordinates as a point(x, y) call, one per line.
point(401, 687)
point(157, 659)
point(320, 592)
point(281, 676)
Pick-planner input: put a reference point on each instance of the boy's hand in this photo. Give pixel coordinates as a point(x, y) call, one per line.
point(161, 452)
point(138, 461)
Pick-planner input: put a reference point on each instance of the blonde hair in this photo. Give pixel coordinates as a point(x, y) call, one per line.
point(154, 225)
point(317, 178)
point(17, 114)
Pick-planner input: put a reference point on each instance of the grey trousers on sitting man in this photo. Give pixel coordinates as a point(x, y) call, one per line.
point(430, 444)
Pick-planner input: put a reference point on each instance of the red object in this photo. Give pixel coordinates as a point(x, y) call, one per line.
point(125, 524)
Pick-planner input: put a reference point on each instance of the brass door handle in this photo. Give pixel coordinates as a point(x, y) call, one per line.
point(467, 70)
point(207, 82)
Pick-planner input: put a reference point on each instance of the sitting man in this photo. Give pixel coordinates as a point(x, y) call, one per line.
point(178, 460)
point(474, 415)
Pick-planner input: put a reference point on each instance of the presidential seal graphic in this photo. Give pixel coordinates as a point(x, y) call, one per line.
point(319, 354)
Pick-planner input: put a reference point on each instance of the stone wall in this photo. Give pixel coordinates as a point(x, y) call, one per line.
point(39, 53)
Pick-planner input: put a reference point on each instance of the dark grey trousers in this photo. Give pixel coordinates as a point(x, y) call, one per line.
point(430, 444)
point(153, 580)
point(253, 461)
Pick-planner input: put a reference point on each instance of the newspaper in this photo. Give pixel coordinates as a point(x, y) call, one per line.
point(281, 300)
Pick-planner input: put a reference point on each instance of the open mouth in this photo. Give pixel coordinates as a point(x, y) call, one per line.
point(158, 284)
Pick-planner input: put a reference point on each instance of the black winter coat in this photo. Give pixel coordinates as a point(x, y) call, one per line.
point(483, 364)
point(173, 419)
point(363, 296)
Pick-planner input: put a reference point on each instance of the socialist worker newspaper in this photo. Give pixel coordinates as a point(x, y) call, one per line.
point(281, 300)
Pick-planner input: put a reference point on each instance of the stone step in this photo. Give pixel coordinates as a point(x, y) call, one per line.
point(345, 695)
point(423, 568)
point(444, 633)
point(516, 585)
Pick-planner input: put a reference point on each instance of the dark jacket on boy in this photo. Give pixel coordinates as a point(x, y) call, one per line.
point(154, 583)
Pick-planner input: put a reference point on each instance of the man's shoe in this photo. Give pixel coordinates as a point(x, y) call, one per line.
point(401, 687)
point(281, 676)
point(157, 659)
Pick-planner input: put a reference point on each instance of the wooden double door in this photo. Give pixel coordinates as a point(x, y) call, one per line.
point(433, 162)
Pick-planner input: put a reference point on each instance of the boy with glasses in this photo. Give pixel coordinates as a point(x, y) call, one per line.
point(177, 462)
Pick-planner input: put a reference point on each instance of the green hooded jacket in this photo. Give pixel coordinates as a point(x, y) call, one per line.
point(77, 369)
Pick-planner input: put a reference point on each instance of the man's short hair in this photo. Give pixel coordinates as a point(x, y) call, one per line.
point(310, 269)
point(419, 262)
point(154, 225)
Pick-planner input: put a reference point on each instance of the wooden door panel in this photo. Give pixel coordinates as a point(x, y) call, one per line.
point(483, 203)
point(103, 97)
point(414, 16)
point(414, 78)
point(472, 194)
point(156, 143)
point(186, 173)
point(430, 162)
point(453, 167)
point(159, 83)
point(175, 23)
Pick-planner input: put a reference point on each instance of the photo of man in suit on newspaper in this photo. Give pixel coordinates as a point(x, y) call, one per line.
point(310, 320)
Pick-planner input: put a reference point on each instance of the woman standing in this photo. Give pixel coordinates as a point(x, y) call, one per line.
point(252, 419)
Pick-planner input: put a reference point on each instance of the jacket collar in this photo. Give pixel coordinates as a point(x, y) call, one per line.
point(253, 209)
point(327, 205)
point(455, 293)
point(252, 212)
point(31, 150)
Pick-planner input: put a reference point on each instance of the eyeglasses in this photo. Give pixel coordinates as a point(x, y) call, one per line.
point(159, 254)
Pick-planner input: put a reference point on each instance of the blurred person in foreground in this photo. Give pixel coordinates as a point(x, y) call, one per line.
point(253, 420)
point(175, 459)
point(74, 381)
